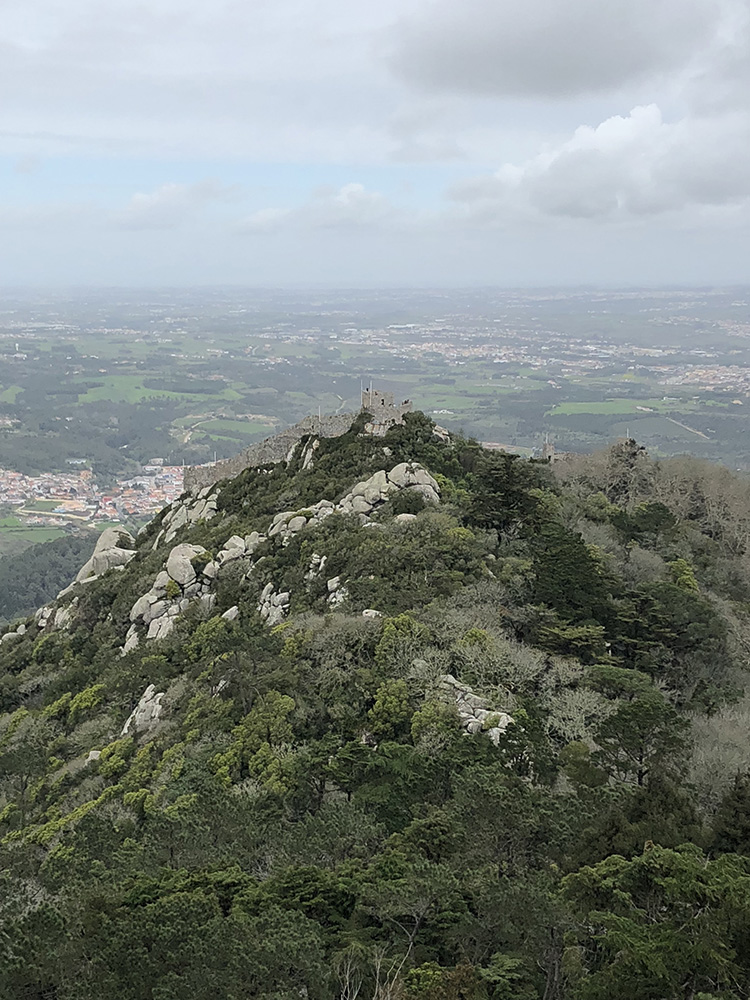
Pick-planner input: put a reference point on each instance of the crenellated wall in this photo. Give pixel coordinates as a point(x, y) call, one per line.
point(385, 414)
point(271, 450)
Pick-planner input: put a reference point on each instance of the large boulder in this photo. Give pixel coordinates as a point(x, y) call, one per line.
point(373, 489)
point(159, 628)
point(179, 565)
point(187, 510)
point(142, 606)
point(273, 607)
point(113, 548)
point(427, 492)
point(132, 641)
point(411, 474)
point(366, 496)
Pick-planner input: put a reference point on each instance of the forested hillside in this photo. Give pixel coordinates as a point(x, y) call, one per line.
point(399, 719)
point(29, 579)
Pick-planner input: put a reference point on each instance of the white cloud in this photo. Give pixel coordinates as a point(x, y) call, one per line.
point(351, 206)
point(170, 205)
point(723, 81)
point(634, 166)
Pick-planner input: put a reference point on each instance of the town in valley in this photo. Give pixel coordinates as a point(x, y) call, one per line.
point(106, 396)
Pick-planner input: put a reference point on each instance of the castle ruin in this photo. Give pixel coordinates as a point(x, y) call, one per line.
point(280, 447)
point(384, 412)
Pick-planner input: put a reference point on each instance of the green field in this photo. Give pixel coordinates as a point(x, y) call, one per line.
point(242, 427)
point(657, 427)
point(15, 536)
point(42, 506)
point(615, 406)
point(130, 389)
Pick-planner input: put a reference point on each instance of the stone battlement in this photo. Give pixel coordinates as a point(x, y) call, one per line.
point(279, 447)
point(385, 413)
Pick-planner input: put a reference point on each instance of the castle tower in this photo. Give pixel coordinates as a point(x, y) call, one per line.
point(385, 413)
point(376, 402)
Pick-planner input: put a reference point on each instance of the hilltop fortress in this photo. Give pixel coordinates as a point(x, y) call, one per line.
point(279, 447)
point(385, 413)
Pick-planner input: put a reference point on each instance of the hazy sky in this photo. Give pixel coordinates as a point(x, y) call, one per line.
point(399, 142)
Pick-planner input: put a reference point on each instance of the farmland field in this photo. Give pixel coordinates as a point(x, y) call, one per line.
point(184, 377)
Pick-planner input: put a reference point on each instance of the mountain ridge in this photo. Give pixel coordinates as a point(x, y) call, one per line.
point(396, 717)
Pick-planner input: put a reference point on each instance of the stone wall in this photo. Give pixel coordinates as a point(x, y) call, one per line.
point(269, 451)
point(385, 413)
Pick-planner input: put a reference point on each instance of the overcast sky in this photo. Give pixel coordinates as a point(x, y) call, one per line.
point(429, 142)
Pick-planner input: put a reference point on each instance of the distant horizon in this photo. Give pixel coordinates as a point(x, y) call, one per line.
point(582, 287)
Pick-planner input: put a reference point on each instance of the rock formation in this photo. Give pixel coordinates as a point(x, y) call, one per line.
point(113, 548)
point(146, 713)
point(474, 712)
point(189, 572)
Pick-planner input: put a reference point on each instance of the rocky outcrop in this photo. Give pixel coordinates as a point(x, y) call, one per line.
point(187, 577)
point(474, 712)
point(338, 592)
point(363, 499)
point(50, 617)
point(179, 566)
point(317, 565)
point(17, 633)
point(189, 574)
point(309, 453)
point(114, 548)
point(132, 640)
point(146, 713)
point(187, 510)
point(171, 593)
point(367, 496)
point(273, 607)
point(289, 522)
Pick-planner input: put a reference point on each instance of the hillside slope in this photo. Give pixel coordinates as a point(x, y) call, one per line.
point(29, 579)
point(398, 718)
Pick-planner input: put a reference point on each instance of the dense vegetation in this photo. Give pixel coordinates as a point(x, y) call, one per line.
point(30, 580)
point(308, 819)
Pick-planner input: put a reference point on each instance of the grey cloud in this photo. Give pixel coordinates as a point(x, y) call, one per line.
point(283, 79)
point(288, 81)
point(723, 81)
point(427, 149)
point(549, 48)
point(425, 132)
